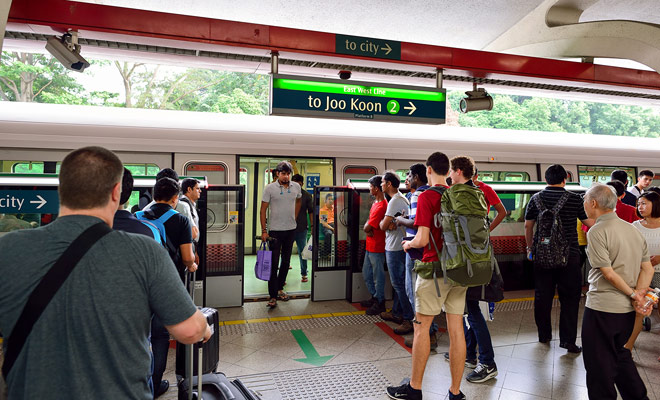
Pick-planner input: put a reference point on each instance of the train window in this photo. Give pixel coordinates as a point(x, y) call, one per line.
point(30, 167)
point(142, 169)
point(403, 174)
point(503, 176)
point(244, 179)
point(359, 172)
point(215, 172)
point(588, 174)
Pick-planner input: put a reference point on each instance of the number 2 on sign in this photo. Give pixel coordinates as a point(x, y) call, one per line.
point(393, 107)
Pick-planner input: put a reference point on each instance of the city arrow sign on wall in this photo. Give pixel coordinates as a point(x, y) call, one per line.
point(346, 99)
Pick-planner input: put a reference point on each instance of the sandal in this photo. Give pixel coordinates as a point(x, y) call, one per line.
point(282, 296)
point(304, 279)
point(272, 303)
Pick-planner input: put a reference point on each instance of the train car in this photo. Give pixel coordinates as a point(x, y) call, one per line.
point(243, 150)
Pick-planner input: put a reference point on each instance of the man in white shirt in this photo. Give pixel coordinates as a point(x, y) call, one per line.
point(644, 180)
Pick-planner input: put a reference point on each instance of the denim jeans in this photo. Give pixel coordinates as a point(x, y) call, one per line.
point(282, 246)
point(396, 264)
point(373, 272)
point(160, 344)
point(301, 242)
point(478, 335)
point(410, 288)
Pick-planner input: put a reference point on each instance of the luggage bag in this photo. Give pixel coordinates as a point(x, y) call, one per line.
point(211, 349)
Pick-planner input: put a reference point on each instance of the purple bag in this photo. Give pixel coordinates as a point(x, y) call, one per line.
point(262, 267)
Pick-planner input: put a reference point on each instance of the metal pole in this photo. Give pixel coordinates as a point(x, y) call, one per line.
point(274, 62)
point(438, 78)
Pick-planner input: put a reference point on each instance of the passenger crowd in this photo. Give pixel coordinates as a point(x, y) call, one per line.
point(102, 306)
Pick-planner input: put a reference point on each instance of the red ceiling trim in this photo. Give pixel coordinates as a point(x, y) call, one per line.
point(63, 15)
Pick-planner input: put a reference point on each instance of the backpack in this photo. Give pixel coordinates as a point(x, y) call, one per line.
point(467, 256)
point(550, 248)
point(148, 219)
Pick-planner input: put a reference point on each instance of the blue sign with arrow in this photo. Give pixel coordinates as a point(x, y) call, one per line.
point(29, 202)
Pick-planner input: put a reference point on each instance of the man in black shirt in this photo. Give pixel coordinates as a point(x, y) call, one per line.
point(306, 208)
point(566, 279)
point(124, 220)
point(621, 176)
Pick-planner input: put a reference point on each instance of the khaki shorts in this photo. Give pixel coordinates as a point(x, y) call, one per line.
point(427, 301)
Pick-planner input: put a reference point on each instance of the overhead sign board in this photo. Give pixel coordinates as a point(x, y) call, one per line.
point(29, 202)
point(328, 98)
point(367, 47)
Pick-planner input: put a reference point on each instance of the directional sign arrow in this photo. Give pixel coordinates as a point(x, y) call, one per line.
point(389, 49)
point(41, 202)
point(311, 355)
point(412, 108)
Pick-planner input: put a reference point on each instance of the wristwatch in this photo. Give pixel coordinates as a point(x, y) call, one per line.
point(632, 295)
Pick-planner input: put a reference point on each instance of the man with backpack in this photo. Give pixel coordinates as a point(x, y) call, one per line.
point(428, 303)
point(555, 251)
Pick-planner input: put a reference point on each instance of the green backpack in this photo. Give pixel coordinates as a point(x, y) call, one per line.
point(467, 257)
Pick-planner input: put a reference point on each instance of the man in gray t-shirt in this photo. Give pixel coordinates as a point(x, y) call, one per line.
point(402, 312)
point(92, 338)
point(283, 198)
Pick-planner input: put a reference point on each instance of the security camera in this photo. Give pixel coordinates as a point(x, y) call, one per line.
point(67, 51)
point(345, 74)
point(477, 100)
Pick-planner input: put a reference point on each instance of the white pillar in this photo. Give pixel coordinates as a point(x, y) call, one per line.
point(4, 14)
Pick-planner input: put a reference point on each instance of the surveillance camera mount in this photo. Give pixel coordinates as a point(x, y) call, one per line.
point(477, 99)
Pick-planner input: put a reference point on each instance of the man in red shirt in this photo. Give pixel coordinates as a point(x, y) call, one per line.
point(492, 200)
point(373, 269)
point(427, 302)
point(623, 211)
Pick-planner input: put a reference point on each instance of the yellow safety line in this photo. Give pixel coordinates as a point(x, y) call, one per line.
point(325, 315)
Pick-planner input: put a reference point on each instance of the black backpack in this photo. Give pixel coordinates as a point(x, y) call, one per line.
point(551, 247)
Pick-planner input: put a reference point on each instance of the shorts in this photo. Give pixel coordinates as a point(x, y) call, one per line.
point(427, 301)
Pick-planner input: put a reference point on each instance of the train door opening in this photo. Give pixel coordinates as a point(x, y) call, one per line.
point(255, 172)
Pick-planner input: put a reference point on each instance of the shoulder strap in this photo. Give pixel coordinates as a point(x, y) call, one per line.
point(560, 203)
point(154, 230)
point(539, 202)
point(437, 189)
point(46, 290)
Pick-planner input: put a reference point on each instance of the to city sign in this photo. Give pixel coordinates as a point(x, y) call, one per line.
point(298, 96)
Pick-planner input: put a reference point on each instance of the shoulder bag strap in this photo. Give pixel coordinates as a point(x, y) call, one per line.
point(46, 290)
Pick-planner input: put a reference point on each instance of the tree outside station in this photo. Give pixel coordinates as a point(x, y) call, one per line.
point(40, 78)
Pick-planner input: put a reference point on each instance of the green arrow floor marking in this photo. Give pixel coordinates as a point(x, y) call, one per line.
point(311, 355)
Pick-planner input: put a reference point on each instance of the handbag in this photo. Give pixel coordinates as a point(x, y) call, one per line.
point(264, 261)
point(493, 292)
point(307, 252)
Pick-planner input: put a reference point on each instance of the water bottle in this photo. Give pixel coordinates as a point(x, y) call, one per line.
point(651, 298)
point(491, 310)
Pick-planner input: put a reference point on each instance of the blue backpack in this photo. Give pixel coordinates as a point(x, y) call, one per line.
point(157, 226)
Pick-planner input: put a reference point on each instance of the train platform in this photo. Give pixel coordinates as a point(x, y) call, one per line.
point(331, 350)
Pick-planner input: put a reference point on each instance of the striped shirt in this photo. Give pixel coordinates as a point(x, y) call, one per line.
point(572, 210)
point(413, 208)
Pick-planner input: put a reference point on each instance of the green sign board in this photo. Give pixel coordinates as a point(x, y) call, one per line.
point(367, 47)
point(328, 98)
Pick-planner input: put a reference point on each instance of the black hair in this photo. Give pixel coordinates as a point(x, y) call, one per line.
point(439, 163)
point(188, 183)
point(419, 169)
point(165, 189)
point(298, 178)
point(655, 189)
point(284, 166)
point(167, 173)
point(646, 172)
point(555, 174)
point(393, 178)
point(376, 181)
point(654, 198)
point(619, 175)
point(126, 186)
point(618, 186)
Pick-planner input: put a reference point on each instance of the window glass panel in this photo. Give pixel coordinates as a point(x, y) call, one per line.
point(588, 174)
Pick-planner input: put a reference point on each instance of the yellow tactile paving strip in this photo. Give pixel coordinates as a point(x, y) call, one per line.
point(290, 318)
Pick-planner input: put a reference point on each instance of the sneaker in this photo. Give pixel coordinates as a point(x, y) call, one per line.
point(482, 373)
point(405, 327)
point(434, 341)
point(368, 303)
point(303, 279)
point(376, 308)
point(388, 316)
point(468, 363)
point(459, 396)
point(404, 392)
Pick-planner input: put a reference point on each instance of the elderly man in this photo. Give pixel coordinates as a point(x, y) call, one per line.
point(90, 337)
point(619, 277)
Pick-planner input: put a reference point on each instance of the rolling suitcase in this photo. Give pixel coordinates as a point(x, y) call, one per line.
point(211, 349)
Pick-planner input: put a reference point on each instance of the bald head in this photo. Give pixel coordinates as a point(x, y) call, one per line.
point(604, 196)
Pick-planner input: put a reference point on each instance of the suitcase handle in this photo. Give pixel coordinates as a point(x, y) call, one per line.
point(200, 369)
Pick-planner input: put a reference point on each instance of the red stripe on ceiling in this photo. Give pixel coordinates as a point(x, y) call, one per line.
point(63, 15)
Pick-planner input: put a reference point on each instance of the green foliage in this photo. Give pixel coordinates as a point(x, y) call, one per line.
point(556, 115)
